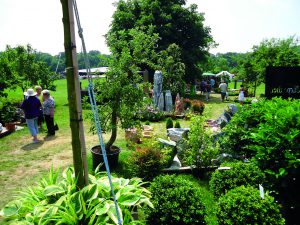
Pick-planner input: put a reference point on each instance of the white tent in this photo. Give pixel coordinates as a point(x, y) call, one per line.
point(225, 73)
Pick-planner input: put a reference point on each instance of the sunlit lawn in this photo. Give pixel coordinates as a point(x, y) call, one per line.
point(22, 163)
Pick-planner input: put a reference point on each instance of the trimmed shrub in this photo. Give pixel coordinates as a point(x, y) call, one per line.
point(149, 159)
point(169, 123)
point(239, 174)
point(147, 123)
point(177, 124)
point(176, 200)
point(243, 205)
point(198, 106)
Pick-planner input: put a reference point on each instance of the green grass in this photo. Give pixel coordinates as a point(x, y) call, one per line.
point(23, 163)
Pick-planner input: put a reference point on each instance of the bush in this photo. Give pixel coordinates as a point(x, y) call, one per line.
point(147, 123)
point(187, 103)
point(198, 106)
point(169, 123)
point(199, 149)
point(243, 205)
point(176, 200)
point(148, 160)
point(177, 124)
point(246, 174)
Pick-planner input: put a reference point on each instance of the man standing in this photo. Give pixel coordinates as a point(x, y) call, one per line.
point(223, 88)
point(48, 109)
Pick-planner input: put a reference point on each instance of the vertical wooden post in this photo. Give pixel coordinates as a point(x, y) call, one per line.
point(74, 96)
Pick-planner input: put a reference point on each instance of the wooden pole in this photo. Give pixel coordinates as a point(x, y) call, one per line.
point(74, 96)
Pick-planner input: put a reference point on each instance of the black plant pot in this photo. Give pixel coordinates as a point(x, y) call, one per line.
point(112, 157)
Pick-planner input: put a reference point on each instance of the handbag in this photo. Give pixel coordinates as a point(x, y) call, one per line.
point(56, 127)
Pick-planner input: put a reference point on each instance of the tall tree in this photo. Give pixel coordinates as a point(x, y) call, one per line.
point(173, 22)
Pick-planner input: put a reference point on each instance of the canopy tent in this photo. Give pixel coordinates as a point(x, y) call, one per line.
point(225, 73)
point(208, 74)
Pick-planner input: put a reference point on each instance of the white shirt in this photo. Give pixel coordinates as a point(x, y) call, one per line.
point(223, 87)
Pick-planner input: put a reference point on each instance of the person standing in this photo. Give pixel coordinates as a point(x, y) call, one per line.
point(39, 95)
point(212, 83)
point(31, 106)
point(48, 110)
point(207, 90)
point(223, 88)
point(242, 95)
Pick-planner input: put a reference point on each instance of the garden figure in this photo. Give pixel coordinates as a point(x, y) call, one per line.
point(48, 109)
point(161, 102)
point(179, 105)
point(31, 106)
point(157, 89)
point(168, 100)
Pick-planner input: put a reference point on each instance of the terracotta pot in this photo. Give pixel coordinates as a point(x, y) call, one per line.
point(10, 126)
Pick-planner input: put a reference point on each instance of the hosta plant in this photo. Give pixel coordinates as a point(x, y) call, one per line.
point(55, 200)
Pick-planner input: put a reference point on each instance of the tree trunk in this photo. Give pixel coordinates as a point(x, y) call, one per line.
point(114, 123)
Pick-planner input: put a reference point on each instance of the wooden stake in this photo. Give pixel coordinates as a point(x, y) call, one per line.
point(74, 96)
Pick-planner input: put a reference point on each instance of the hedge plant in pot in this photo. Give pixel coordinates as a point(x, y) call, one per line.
point(9, 115)
point(121, 95)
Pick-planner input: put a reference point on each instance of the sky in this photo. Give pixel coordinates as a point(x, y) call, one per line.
point(236, 25)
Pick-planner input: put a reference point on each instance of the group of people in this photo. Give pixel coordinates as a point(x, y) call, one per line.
point(38, 107)
point(224, 92)
point(206, 87)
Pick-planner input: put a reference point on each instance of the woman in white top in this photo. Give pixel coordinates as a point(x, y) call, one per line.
point(241, 95)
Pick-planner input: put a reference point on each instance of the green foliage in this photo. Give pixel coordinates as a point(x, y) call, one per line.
point(147, 123)
point(273, 52)
point(56, 200)
point(177, 124)
point(246, 174)
point(176, 200)
point(268, 132)
point(123, 92)
point(20, 67)
point(200, 149)
point(169, 123)
point(169, 62)
point(165, 19)
point(148, 113)
point(243, 205)
point(149, 159)
point(8, 112)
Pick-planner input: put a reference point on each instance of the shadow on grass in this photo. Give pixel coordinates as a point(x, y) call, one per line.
point(32, 146)
point(49, 138)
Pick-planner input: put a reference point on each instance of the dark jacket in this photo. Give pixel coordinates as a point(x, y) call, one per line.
point(31, 107)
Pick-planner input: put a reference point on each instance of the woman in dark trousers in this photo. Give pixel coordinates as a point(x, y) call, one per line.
point(48, 109)
point(31, 106)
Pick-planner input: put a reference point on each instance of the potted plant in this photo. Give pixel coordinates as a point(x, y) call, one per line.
point(9, 115)
point(123, 90)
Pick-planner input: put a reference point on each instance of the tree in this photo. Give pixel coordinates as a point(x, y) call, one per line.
point(20, 68)
point(121, 96)
point(273, 52)
point(173, 22)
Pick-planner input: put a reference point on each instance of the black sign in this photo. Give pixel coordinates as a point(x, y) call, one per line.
point(283, 82)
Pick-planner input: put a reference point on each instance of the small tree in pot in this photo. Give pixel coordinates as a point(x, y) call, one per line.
point(120, 97)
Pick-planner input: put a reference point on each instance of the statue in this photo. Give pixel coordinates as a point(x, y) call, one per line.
point(168, 101)
point(179, 108)
point(157, 89)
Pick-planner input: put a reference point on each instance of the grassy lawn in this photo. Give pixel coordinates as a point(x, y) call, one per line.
point(22, 163)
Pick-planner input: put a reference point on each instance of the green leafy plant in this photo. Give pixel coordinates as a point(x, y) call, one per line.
point(176, 200)
point(8, 112)
point(247, 174)
point(200, 149)
point(187, 103)
point(177, 124)
point(169, 123)
point(56, 200)
point(147, 123)
point(243, 205)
